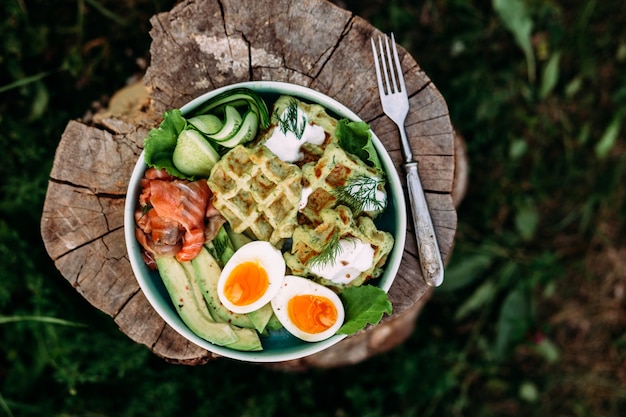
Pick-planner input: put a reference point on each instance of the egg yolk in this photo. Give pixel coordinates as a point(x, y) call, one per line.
point(312, 313)
point(246, 283)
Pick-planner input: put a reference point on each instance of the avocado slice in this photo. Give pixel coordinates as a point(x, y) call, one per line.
point(261, 317)
point(207, 273)
point(247, 340)
point(190, 305)
point(274, 323)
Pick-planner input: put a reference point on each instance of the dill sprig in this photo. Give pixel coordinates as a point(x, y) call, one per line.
point(329, 253)
point(221, 244)
point(360, 192)
point(145, 209)
point(290, 122)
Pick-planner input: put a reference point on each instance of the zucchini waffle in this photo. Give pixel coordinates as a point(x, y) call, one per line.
point(257, 193)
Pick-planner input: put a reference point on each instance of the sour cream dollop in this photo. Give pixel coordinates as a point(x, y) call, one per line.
point(287, 146)
point(354, 257)
point(304, 197)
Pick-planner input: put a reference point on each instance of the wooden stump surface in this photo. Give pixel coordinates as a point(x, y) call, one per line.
point(199, 46)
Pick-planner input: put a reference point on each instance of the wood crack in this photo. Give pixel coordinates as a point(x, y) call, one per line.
point(98, 194)
point(332, 49)
point(223, 15)
point(163, 30)
point(86, 243)
point(126, 302)
point(250, 70)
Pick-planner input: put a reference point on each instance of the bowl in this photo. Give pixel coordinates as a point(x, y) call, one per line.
point(279, 346)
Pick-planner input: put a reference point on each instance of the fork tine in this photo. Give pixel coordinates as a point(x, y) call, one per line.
point(398, 66)
point(378, 75)
point(384, 63)
point(392, 67)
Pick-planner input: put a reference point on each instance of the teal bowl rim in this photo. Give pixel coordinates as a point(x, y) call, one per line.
point(153, 290)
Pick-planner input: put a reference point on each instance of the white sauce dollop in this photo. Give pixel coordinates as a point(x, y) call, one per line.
point(304, 198)
point(287, 146)
point(354, 258)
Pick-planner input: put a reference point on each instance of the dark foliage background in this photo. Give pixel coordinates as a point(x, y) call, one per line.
point(531, 319)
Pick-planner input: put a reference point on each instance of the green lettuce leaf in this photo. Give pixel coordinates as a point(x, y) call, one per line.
point(356, 138)
point(161, 142)
point(364, 305)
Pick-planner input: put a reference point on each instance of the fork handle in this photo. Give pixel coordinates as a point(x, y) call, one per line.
point(427, 247)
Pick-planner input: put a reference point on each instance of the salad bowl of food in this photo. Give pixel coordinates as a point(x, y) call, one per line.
point(265, 222)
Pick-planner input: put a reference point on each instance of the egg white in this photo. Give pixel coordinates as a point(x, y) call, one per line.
point(293, 286)
point(269, 258)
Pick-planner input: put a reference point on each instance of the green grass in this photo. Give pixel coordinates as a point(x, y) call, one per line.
point(530, 319)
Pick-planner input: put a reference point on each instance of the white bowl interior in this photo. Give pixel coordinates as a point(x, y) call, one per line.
point(279, 346)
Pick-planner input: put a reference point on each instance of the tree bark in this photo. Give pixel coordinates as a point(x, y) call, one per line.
point(199, 46)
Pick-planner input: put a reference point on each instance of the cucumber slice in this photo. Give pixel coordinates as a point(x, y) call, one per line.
point(193, 154)
point(246, 132)
point(237, 239)
point(235, 96)
point(232, 121)
point(206, 123)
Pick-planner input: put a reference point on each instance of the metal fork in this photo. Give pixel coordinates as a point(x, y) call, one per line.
point(395, 103)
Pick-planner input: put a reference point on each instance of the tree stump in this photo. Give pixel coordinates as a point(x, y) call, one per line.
point(199, 46)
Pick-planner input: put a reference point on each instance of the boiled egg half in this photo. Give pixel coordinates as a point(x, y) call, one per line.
point(251, 277)
point(308, 310)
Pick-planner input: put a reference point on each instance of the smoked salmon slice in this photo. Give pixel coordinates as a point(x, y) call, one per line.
point(171, 215)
